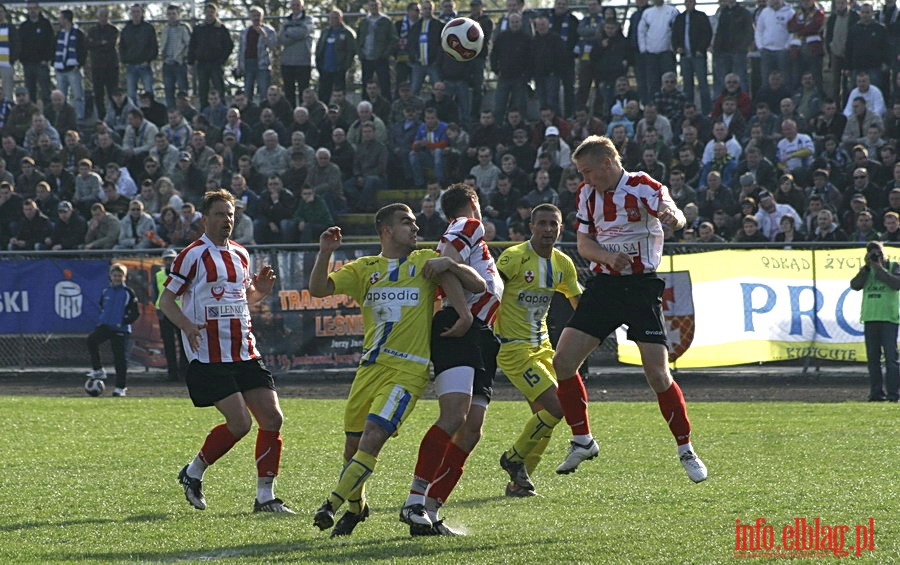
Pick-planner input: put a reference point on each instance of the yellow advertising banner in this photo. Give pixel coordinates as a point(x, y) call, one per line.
point(746, 306)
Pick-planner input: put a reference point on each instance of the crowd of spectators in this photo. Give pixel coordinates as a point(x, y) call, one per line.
point(776, 161)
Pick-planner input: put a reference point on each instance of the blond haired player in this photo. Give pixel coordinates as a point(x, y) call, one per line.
point(396, 291)
point(620, 231)
point(532, 272)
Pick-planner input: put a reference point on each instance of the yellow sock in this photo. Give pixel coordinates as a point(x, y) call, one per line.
point(538, 426)
point(533, 458)
point(353, 477)
point(357, 499)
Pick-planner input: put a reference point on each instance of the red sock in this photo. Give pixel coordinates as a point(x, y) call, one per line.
point(217, 443)
point(449, 473)
point(674, 410)
point(268, 453)
point(431, 454)
point(573, 400)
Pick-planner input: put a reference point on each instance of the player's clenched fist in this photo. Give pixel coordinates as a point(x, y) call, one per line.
point(330, 239)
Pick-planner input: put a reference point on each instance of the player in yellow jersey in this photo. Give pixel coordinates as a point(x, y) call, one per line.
point(532, 271)
point(396, 291)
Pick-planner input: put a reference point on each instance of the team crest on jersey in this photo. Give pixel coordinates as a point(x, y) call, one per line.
point(529, 276)
point(633, 213)
point(217, 292)
point(374, 278)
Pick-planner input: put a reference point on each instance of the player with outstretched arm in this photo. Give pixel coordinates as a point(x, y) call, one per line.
point(396, 291)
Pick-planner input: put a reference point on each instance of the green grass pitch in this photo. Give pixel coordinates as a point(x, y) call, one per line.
point(94, 480)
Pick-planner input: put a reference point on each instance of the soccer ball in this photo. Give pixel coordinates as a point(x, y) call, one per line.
point(94, 387)
point(462, 39)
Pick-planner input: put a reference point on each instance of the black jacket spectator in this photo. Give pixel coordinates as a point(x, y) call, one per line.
point(10, 214)
point(101, 44)
point(608, 56)
point(867, 46)
point(734, 32)
point(210, 43)
point(101, 156)
point(549, 54)
point(38, 41)
point(69, 234)
point(503, 205)
point(511, 55)
point(431, 228)
point(137, 43)
point(63, 118)
point(447, 108)
point(700, 32)
point(34, 230)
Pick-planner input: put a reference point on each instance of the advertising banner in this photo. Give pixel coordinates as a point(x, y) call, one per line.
point(722, 308)
point(50, 296)
point(746, 306)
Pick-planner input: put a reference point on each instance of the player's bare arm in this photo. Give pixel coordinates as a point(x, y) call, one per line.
point(319, 283)
point(468, 277)
point(453, 285)
point(453, 290)
point(672, 217)
point(176, 316)
point(262, 284)
point(591, 250)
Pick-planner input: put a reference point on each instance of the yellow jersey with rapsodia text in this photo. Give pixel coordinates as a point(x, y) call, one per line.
point(531, 281)
point(397, 306)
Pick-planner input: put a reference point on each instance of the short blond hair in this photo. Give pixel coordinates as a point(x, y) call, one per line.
point(118, 268)
point(597, 147)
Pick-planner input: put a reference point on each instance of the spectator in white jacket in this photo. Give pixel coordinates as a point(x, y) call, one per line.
point(720, 133)
point(655, 46)
point(135, 228)
point(770, 213)
point(772, 37)
point(871, 93)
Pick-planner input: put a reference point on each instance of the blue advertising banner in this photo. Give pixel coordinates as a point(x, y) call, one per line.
point(50, 295)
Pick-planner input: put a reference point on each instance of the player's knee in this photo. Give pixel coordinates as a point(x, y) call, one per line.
point(659, 379)
point(240, 427)
point(564, 368)
point(272, 421)
point(551, 405)
point(468, 437)
point(451, 422)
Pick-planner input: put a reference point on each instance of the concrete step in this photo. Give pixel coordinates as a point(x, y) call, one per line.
point(412, 197)
point(356, 224)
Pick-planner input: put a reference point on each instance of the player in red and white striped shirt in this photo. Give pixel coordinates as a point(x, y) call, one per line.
point(213, 278)
point(465, 363)
point(620, 216)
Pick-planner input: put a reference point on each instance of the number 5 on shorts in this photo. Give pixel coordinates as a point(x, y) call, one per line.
point(531, 377)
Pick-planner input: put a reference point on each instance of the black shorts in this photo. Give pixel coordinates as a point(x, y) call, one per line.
point(209, 383)
point(478, 349)
point(633, 300)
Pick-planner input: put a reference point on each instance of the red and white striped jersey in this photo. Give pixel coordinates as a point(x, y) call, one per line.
point(212, 282)
point(625, 220)
point(466, 235)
